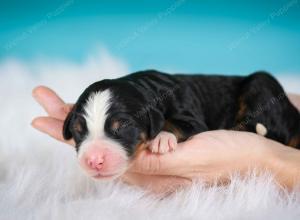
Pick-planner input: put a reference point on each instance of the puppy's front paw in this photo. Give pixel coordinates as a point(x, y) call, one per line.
point(163, 143)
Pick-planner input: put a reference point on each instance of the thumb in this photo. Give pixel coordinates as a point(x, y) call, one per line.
point(147, 162)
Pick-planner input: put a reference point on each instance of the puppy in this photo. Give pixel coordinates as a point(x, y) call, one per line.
point(114, 119)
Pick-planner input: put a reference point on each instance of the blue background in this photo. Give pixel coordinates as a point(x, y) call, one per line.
point(233, 37)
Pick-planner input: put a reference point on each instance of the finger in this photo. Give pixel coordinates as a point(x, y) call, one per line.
point(156, 184)
point(51, 102)
point(52, 127)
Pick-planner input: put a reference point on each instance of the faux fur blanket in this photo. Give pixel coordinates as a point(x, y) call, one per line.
point(40, 178)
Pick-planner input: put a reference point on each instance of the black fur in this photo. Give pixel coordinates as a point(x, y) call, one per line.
point(148, 102)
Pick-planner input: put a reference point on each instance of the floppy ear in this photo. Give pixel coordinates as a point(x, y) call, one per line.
point(157, 121)
point(66, 128)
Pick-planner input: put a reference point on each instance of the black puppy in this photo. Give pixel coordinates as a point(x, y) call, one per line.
point(113, 119)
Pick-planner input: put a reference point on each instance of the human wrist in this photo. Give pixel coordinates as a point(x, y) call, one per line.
point(284, 163)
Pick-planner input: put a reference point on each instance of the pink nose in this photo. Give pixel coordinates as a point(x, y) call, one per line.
point(94, 160)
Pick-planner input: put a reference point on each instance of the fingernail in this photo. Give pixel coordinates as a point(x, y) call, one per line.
point(35, 123)
point(34, 92)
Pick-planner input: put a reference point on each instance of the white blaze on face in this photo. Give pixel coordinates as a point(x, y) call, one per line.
point(95, 114)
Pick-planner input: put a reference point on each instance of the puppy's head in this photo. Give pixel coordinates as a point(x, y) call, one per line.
point(108, 127)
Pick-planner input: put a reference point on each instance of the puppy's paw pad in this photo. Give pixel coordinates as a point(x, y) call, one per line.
point(163, 143)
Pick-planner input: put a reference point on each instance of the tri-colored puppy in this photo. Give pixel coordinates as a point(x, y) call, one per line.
point(114, 119)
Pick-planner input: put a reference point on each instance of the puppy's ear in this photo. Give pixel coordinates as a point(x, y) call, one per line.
point(66, 128)
point(157, 121)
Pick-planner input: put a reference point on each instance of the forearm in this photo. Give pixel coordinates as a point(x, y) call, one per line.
point(295, 99)
point(284, 163)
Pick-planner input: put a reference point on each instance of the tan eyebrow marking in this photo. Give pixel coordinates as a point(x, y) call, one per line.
point(294, 141)
point(115, 125)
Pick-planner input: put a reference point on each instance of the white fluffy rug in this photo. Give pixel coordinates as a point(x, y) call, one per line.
point(40, 179)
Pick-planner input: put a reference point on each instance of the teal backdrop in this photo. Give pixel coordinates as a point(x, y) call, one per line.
point(231, 37)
